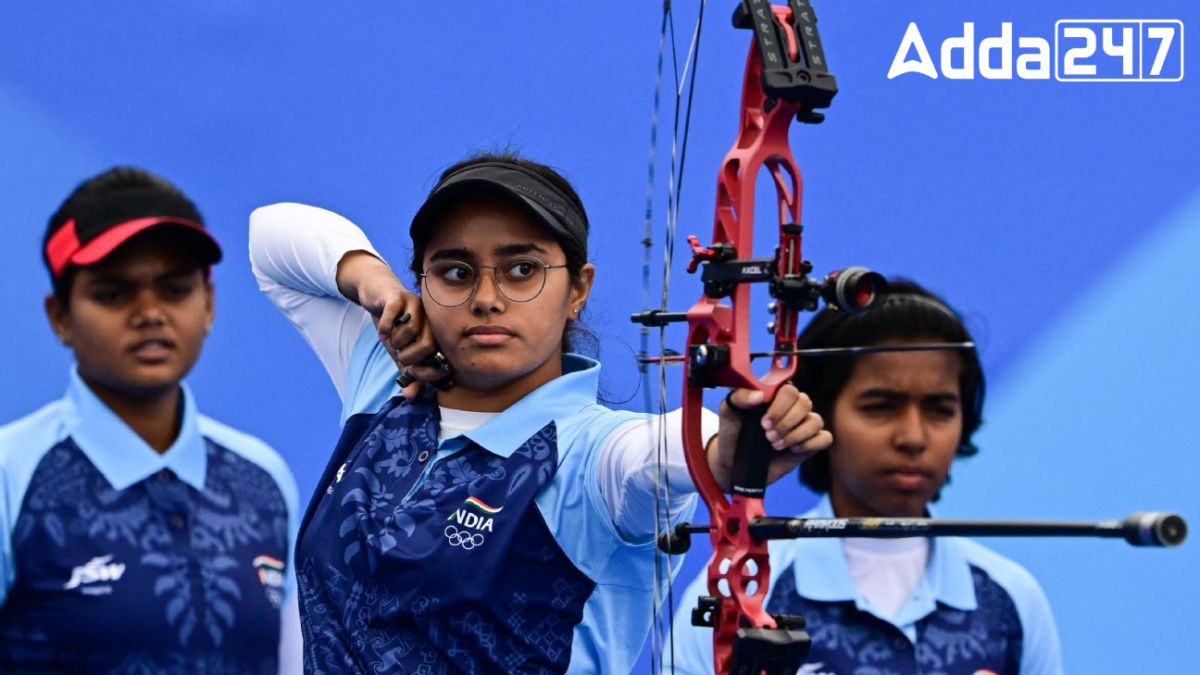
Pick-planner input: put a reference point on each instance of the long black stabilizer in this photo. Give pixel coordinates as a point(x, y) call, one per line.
point(1140, 529)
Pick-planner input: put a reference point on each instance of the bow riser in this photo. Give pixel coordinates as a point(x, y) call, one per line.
point(739, 569)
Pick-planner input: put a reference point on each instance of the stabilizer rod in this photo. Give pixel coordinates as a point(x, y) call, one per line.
point(1150, 528)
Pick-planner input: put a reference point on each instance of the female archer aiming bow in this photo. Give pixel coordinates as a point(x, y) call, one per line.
point(504, 523)
point(897, 606)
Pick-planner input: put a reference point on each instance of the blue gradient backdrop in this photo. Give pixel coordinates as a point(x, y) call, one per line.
point(1062, 218)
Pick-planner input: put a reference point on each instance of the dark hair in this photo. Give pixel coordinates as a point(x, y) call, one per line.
point(575, 336)
point(117, 182)
point(910, 313)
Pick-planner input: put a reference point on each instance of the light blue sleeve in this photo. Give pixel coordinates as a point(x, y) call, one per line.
point(291, 640)
point(295, 251)
point(575, 504)
point(370, 376)
point(1041, 652)
point(616, 618)
point(23, 443)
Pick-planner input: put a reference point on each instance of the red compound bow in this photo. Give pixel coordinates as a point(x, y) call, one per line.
point(786, 79)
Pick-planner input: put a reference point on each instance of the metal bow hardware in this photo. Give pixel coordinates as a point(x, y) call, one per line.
point(786, 79)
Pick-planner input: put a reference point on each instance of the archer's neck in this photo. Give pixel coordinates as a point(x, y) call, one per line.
point(155, 417)
point(480, 395)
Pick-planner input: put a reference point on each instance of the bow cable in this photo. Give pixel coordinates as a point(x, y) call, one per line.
point(662, 493)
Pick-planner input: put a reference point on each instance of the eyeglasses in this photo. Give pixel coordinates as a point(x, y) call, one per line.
point(451, 283)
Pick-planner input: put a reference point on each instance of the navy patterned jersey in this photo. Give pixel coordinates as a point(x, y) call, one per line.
point(949, 641)
point(156, 578)
point(409, 563)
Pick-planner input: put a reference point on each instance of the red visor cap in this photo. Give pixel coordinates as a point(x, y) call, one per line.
point(64, 247)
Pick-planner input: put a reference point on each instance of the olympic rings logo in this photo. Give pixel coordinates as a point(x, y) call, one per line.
point(463, 538)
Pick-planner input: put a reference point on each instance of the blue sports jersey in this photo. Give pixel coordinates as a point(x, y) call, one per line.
point(117, 559)
point(974, 613)
point(491, 552)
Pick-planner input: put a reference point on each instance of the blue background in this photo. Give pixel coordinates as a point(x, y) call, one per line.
point(1063, 219)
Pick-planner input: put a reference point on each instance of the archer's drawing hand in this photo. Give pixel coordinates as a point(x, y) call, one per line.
point(793, 429)
point(398, 315)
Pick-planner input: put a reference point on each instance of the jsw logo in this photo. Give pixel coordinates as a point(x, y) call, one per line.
point(96, 570)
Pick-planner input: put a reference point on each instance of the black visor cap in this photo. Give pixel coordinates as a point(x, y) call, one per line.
point(542, 200)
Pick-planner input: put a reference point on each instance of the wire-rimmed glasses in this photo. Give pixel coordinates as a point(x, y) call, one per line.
point(451, 283)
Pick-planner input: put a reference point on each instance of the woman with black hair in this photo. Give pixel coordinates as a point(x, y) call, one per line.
point(136, 534)
point(502, 523)
point(895, 606)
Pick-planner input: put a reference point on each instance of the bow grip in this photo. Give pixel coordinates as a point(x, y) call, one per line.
point(752, 456)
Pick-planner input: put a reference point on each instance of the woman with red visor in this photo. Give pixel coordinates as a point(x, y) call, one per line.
point(137, 535)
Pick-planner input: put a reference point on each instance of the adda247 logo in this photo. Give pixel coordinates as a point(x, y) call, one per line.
point(1085, 50)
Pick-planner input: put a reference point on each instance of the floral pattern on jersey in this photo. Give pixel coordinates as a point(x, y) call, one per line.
point(395, 440)
point(949, 641)
point(185, 553)
point(79, 501)
point(367, 606)
point(372, 504)
point(538, 466)
point(213, 608)
point(456, 473)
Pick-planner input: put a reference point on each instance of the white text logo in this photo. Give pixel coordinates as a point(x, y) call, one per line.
point(1133, 50)
point(475, 514)
point(94, 571)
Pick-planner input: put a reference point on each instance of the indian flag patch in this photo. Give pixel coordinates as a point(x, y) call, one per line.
point(270, 573)
point(270, 570)
point(475, 514)
point(482, 506)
